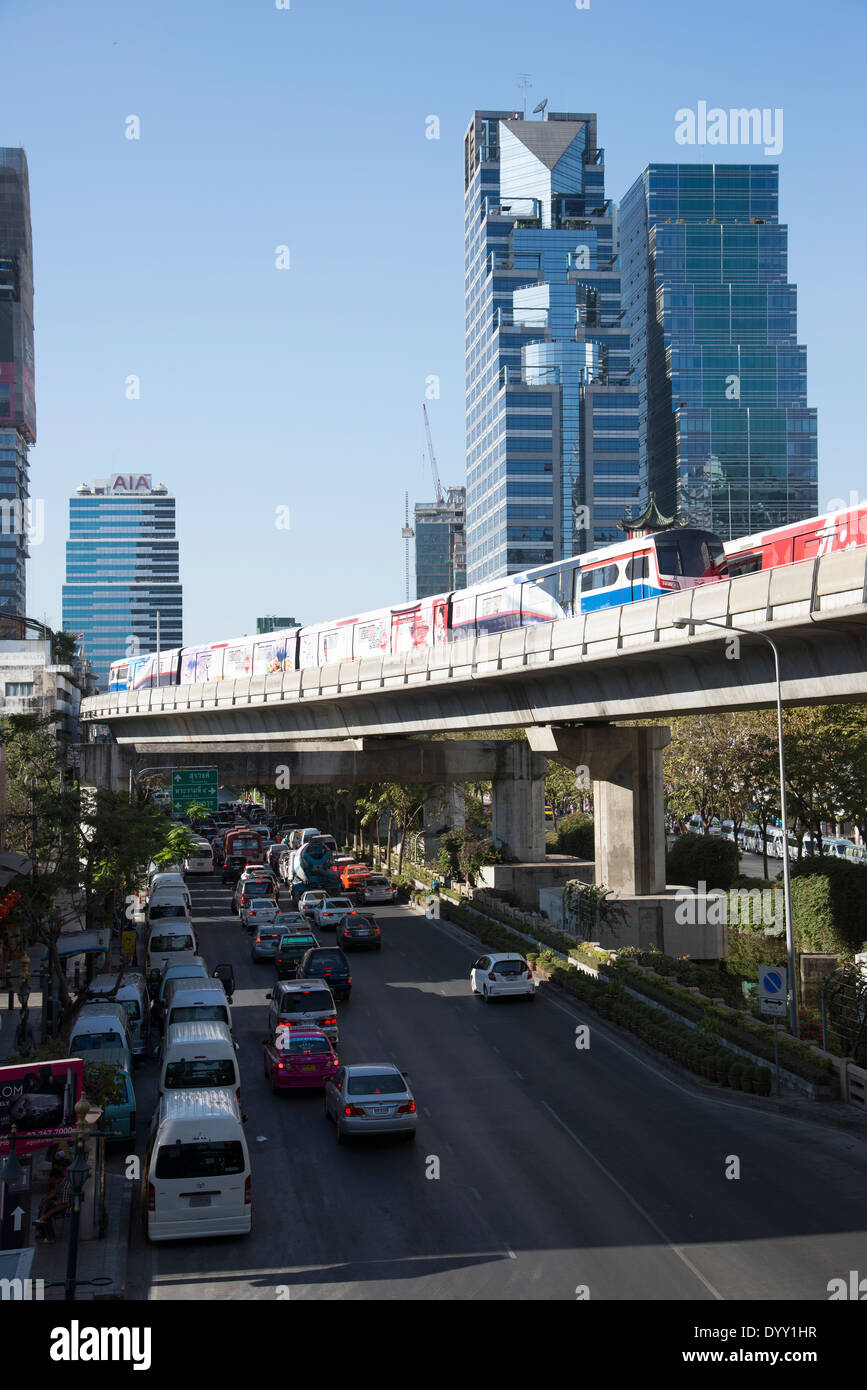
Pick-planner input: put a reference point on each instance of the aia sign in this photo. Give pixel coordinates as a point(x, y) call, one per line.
point(131, 482)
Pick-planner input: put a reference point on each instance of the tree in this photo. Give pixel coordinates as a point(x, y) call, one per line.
point(87, 848)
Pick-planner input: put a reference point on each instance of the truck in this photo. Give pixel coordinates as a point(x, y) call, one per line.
point(312, 866)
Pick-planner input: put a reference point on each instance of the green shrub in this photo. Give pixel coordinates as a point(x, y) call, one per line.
point(575, 836)
point(828, 905)
point(696, 859)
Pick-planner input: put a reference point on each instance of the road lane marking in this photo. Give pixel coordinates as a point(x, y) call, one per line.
point(519, 1076)
point(676, 1249)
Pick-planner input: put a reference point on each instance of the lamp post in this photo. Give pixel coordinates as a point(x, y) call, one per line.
point(78, 1173)
point(787, 881)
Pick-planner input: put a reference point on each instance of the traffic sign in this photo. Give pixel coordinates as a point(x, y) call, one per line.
point(127, 944)
point(195, 786)
point(773, 990)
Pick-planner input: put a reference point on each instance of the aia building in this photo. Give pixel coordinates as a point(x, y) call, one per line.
point(122, 595)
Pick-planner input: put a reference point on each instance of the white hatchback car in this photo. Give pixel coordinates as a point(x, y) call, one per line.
point(502, 973)
point(259, 912)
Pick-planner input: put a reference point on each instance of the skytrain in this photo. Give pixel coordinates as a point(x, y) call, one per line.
point(625, 572)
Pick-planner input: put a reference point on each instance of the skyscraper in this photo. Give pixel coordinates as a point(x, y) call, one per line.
point(551, 417)
point(122, 570)
point(727, 438)
point(17, 392)
point(440, 544)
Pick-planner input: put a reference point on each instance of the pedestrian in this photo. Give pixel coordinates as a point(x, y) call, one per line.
point(56, 1201)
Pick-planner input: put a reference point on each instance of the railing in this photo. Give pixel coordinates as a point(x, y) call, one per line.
point(824, 588)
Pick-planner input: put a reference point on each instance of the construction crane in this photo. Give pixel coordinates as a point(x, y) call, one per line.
point(433, 462)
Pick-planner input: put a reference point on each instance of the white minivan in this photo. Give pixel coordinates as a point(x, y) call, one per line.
point(171, 900)
point(196, 1179)
point(132, 994)
point(199, 1055)
point(169, 941)
point(196, 1001)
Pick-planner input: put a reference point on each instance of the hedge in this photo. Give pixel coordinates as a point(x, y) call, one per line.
point(828, 905)
point(744, 1032)
point(695, 859)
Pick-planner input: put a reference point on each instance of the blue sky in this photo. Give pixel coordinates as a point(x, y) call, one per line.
point(302, 388)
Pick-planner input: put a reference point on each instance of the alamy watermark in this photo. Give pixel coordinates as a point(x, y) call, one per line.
point(737, 126)
point(739, 907)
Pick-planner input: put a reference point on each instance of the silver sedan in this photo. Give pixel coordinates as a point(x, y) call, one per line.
point(370, 1098)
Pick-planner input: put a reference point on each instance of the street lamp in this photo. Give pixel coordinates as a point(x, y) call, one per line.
point(787, 881)
point(78, 1172)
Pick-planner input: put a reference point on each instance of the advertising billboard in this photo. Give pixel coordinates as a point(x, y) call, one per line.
point(39, 1099)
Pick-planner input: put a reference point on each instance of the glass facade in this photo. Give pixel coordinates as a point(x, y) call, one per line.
point(440, 545)
point(17, 394)
point(122, 569)
point(551, 414)
point(726, 435)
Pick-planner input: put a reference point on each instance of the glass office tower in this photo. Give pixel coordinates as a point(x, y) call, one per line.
point(440, 544)
point(551, 415)
point(17, 392)
point(121, 570)
point(727, 438)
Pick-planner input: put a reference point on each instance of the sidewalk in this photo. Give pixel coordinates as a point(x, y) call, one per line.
point(102, 1264)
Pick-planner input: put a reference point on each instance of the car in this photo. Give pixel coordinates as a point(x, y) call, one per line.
point(291, 950)
point(265, 943)
point(273, 851)
point(359, 929)
point(299, 1056)
point(289, 919)
point(353, 876)
point(377, 889)
point(233, 867)
point(327, 963)
point(302, 1002)
point(330, 911)
point(310, 900)
point(370, 1098)
point(258, 912)
point(502, 972)
point(258, 886)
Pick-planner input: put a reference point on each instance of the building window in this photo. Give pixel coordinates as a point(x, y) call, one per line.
point(18, 688)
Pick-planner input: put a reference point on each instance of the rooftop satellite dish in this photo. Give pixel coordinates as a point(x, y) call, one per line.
point(540, 107)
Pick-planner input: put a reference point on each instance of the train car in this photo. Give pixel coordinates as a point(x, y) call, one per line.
point(626, 572)
point(385, 632)
point(140, 672)
point(802, 540)
point(258, 655)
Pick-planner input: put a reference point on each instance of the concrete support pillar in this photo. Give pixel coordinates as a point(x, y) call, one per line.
point(624, 765)
point(518, 796)
point(445, 810)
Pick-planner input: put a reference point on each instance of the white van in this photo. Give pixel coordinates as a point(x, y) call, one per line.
point(169, 940)
point(98, 1026)
point(196, 1001)
point(132, 995)
point(166, 878)
point(170, 900)
point(201, 859)
point(196, 1179)
point(153, 870)
point(199, 1055)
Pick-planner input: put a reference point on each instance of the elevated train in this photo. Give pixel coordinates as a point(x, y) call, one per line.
point(626, 572)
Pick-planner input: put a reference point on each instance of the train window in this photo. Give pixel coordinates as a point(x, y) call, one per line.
point(602, 577)
point(638, 568)
point(668, 557)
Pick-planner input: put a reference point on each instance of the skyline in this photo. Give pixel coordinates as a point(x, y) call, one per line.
point(303, 391)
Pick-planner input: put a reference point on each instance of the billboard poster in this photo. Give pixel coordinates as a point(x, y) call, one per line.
point(39, 1099)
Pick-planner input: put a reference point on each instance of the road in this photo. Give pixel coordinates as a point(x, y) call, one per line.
point(557, 1169)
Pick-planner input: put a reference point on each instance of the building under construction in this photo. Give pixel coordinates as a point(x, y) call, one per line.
point(440, 544)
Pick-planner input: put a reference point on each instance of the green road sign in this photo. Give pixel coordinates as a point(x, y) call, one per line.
point(195, 785)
